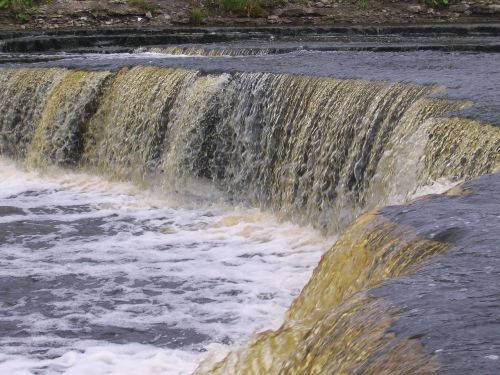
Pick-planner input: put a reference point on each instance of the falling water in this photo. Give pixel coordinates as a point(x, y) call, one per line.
point(316, 150)
point(313, 150)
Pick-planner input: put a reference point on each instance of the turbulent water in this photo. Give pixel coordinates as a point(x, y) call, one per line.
point(162, 226)
point(122, 275)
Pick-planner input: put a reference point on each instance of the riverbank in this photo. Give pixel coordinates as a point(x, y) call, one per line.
point(64, 14)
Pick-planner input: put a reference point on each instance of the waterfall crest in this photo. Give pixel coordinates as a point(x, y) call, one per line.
point(314, 149)
point(202, 51)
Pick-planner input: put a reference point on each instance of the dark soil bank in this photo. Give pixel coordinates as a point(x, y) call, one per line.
point(112, 13)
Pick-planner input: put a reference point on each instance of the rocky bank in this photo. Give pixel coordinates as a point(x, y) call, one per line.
point(126, 13)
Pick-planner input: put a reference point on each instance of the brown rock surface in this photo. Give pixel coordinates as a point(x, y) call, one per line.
point(105, 13)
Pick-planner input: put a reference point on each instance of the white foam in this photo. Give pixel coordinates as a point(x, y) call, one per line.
point(109, 359)
point(493, 357)
point(107, 255)
point(435, 187)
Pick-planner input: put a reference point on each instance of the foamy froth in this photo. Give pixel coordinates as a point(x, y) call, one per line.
point(99, 277)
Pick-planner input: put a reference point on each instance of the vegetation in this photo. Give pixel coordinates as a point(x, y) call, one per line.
point(144, 5)
point(195, 16)
point(15, 4)
point(20, 9)
point(437, 3)
point(250, 8)
point(363, 4)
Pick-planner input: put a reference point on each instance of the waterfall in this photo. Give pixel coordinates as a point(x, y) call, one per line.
point(126, 135)
point(202, 51)
point(59, 134)
point(23, 95)
point(313, 149)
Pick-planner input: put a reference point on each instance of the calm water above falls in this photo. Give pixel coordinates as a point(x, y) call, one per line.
point(467, 75)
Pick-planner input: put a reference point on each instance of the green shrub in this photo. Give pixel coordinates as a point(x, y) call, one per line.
point(145, 5)
point(211, 4)
point(23, 17)
point(363, 4)
point(237, 6)
point(437, 3)
point(15, 5)
point(19, 9)
point(195, 16)
point(252, 8)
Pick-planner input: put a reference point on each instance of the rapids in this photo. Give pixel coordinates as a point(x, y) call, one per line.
point(100, 276)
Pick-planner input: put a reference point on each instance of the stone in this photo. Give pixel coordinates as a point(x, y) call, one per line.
point(273, 18)
point(149, 15)
point(459, 8)
point(494, 8)
point(414, 8)
point(486, 9)
point(298, 12)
